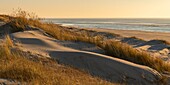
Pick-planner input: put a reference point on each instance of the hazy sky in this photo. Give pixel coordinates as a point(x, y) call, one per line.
point(91, 8)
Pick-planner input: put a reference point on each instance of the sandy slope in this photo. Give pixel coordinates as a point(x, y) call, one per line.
point(151, 42)
point(106, 67)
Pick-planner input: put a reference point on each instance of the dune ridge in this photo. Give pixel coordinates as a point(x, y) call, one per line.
point(106, 67)
point(157, 44)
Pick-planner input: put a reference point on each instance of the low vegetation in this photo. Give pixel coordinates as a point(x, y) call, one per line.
point(14, 65)
point(5, 18)
point(127, 52)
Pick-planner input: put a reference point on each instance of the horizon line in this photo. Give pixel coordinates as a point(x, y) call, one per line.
point(106, 18)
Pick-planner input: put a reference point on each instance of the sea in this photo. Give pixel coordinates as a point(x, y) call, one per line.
point(153, 25)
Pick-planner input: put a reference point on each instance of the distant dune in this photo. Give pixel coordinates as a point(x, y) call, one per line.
point(157, 43)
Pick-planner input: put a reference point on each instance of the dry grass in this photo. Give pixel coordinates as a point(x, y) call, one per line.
point(5, 18)
point(15, 66)
point(8, 41)
point(124, 51)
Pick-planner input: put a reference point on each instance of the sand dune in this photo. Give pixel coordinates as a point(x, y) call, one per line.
point(106, 67)
point(157, 44)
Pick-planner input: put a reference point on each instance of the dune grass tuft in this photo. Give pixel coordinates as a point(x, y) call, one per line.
point(124, 51)
point(5, 18)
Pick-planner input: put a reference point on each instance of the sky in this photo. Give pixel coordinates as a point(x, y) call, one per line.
point(90, 8)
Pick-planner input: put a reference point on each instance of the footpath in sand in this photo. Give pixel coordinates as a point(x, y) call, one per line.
point(86, 57)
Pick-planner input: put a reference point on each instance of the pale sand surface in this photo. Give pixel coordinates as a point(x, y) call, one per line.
point(110, 68)
point(145, 35)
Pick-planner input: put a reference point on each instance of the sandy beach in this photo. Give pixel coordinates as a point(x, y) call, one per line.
point(145, 35)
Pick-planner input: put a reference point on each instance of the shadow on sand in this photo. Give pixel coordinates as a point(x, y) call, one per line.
point(111, 69)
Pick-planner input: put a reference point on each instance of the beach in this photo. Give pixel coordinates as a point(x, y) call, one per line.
point(145, 35)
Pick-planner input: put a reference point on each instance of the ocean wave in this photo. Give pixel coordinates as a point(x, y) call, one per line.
point(118, 23)
point(144, 24)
